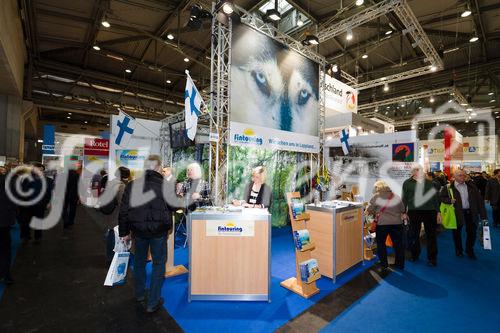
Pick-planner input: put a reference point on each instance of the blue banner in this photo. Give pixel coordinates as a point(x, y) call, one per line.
point(49, 137)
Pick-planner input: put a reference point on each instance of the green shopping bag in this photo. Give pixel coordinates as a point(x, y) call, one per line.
point(448, 217)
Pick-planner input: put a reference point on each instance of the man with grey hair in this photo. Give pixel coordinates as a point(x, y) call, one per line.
point(422, 203)
point(150, 220)
point(468, 205)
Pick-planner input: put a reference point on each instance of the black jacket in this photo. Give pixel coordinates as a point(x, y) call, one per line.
point(7, 207)
point(263, 198)
point(72, 186)
point(152, 219)
point(492, 192)
point(476, 203)
point(35, 187)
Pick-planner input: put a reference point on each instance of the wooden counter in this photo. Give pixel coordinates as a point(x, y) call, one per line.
point(338, 236)
point(229, 255)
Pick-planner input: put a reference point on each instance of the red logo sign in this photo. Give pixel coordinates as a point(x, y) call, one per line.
point(96, 147)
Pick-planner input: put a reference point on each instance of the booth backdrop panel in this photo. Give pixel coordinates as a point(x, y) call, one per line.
point(286, 172)
point(182, 157)
point(274, 92)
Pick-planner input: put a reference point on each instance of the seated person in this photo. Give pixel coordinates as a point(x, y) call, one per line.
point(257, 193)
point(194, 189)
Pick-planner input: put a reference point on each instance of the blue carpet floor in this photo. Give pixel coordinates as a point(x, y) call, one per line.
point(15, 232)
point(248, 316)
point(460, 295)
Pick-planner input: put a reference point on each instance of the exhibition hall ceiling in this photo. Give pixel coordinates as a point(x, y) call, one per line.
point(138, 57)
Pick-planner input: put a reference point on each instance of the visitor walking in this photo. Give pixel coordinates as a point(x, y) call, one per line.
point(492, 196)
point(8, 214)
point(422, 203)
point(388, 211)
point(150, 223)
point(468, 205)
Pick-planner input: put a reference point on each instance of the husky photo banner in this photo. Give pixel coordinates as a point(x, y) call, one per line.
point(274, 94)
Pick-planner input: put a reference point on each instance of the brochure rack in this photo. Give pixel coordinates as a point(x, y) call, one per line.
point(296, 284)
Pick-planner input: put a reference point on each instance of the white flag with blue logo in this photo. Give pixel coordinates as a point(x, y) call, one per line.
point(344, 140)
point(123, 128)
point(192, 107)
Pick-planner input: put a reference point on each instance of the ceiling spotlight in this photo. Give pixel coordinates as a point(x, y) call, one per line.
point(493, 101)
point(431, 99)
point(466, 12)
point(437, 124)
point(168, 81)
point(186, 59)
point(433, 68)
point(299, 21)
point(388, 32)
point(310, 39)
point(349, 35)
point(412, 126)
point(69, 113)
point(473, 114)
point(359, 2)
point(466, 120)
point(228, 7)
point(383, 78)
point(273, 14)
point(449, 101)
point(469, 109)
point(386, 87)
point(105, 23)
point(335, 68)
point(474, 39)
point(170, 36)
point(490, 93)
point(86, 122)
point(107, 124)
point(68, 117)
point(364, 56)
point(128, 71)
point(96, 47)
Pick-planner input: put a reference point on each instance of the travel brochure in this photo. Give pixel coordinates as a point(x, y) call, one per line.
point(309, 270)
point(302, 240)
point(297, 208)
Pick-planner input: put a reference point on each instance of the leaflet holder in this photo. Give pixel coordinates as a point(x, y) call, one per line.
point(296, 284)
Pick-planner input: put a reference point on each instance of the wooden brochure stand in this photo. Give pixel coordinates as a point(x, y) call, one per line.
point(296, 284)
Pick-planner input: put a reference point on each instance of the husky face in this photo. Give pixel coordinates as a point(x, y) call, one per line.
point(272, 86)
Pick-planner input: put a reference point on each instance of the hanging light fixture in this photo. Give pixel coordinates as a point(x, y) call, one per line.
point(310, 39)
point(105, 23)
point(386, 87)
point(299, 21)
point(273, 14)
point(431, 99)
point(466, 12)
point(474, 39)
point(96, 47)
point(349, 34)
point(364, 56)
point(360, 2)
point(170, 36)
point(227, 7)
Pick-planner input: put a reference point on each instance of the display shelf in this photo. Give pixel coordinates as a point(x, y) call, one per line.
point(295, 284)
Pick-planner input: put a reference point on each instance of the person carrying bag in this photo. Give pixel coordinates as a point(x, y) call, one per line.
point(388, 209)
point(448, 216)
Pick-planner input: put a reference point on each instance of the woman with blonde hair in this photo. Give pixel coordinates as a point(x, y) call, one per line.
point(257, 192)
point(388, 212)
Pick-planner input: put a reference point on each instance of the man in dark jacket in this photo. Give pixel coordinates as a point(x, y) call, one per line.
point(420, 198)
point(468, 205)
point(71, 198)
point(144, 211)
point(492, 196)
point(8, 218)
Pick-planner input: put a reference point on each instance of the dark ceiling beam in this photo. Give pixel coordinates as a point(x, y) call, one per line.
point(98, 13)
point(105, 79)
point(304, 11)
point(456, 15)
point(478, 22)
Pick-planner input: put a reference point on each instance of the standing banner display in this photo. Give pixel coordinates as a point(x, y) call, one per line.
point(453, 149)
point(131, 141)
point(388, 157)
point(339, 97)
point(274, 94)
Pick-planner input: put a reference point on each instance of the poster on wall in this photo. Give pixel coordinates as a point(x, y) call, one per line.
point(339, 97)
point(388, 157)
point(132, 159)
point(274, 94)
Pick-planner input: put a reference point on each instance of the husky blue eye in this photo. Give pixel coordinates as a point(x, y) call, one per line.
point(261, 81)
point(304, 96)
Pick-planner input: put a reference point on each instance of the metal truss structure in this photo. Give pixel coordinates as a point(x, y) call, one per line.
point(435, 92)
point(219, 101)
point(460, 115)
point(412, 27)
